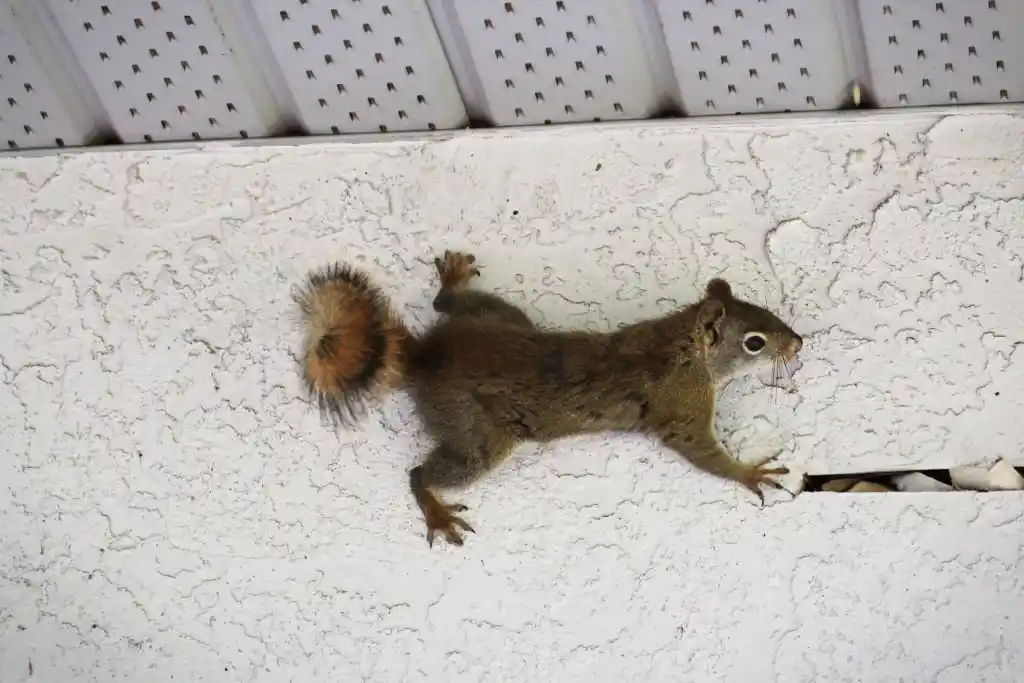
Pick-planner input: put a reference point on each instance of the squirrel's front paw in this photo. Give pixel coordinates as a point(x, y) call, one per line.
point(456, 269)
point(754, 477)
point(440, 518)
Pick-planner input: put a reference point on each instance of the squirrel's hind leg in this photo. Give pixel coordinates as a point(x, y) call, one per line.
point(456, 269)
point(449, 467)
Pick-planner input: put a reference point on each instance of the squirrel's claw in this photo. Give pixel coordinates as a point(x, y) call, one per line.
point(456, 269)
point(445, 522)
point(759, 475)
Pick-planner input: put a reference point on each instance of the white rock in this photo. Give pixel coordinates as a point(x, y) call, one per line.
point(916, 482)
point(969, 478)
point(1004, 477)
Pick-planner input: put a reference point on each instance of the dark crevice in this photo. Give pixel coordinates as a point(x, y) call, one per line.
point(871, 481)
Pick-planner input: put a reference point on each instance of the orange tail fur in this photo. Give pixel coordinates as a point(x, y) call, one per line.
point(356, 345)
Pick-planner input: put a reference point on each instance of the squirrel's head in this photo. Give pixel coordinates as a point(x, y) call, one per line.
point(740, 337)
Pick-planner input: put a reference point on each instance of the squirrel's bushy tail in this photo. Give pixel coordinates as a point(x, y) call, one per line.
point(356, 346)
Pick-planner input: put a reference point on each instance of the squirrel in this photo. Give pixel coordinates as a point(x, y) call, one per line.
point(484, 378)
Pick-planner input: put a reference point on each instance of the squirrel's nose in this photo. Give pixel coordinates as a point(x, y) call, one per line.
point(794, 347)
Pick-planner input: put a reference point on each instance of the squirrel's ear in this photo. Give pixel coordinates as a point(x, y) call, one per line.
point(719, 289)
point(710, 314)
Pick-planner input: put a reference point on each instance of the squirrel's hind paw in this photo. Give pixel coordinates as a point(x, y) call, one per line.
point(441, 519)
point(456, 269)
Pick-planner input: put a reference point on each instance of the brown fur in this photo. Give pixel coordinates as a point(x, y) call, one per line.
point(485, 379)
point(356, 345)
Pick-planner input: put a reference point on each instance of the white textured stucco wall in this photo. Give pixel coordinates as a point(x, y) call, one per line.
point(172, 508)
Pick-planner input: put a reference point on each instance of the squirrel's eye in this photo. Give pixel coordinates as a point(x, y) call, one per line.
point(754, 343)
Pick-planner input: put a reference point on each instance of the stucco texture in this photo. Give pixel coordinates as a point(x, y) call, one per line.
point(172, 507)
